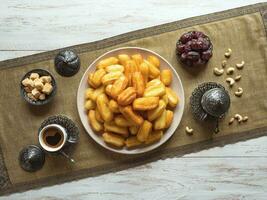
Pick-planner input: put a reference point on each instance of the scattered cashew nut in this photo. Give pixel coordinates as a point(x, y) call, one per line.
point(239, 118)
point(224, 62)
point(240, 65)
point(189, 130)
point(218, 72)
point(228, 53)
point(231, 81)
point(230, 70)
point(239, 92)
point(231, 120)
point(237, 78)
point(245, 118)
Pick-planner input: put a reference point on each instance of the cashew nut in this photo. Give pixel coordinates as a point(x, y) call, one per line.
point(239, 118)
point(245, 118)
point(237, 78)
point(228, 53)
point(231, 121)
point(240, 65)
point(224, 62)
point(189, 130)
point(230, 70)
point(231, 81)
point(218, 72)
point(239, 92)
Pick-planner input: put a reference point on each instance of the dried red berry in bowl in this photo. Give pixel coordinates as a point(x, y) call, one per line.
point(194, 48)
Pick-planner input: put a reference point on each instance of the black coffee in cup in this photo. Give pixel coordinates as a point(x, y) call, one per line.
point(53, 137)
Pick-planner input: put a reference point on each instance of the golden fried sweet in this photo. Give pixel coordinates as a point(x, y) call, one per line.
point(98, 116)
point(138, 83)
point(169, 118)
point(123, 58)
point(145, 103)
point(156, 112)
point(130, 68)
point(96, 126)
point(153, 82)
point(154, 72)
point(114, 68)
point(127, 96)
point(118, 86)
point(97, 92)
point(160, 122)
point(155, 88)
point(108, 89)
point(113, 106)
point(129, 114)
point(133, 129)
point(165, 99)
point(132, 141)
point(112, 127)
point(90, 82)
point(144, 71)
point(166, 77)
point(89, 104)
point(154, 60)
point(121, 121)
point(155, 136)
point(102, 106)
point(109, 78)
point(97, 77)
point(172, 97)
point(107, 61)
point(89, 93)
point(144, 131)
point(113, 139)
point(138, 59)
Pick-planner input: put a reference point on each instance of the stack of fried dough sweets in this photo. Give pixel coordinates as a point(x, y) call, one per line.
point(129, 100)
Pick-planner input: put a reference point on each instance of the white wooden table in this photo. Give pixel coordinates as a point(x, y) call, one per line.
point(236, 171)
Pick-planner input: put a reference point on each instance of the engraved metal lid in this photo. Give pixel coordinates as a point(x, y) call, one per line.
point(31, 158)
point(216, 102)
point(209, 99)
point(67, 63)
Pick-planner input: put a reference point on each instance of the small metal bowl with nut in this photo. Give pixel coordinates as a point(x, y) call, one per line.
point(38, 87)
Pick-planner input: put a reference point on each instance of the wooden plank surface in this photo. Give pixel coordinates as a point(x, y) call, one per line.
point(236, 171)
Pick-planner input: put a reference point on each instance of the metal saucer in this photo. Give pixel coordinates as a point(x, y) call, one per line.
point(68, 124)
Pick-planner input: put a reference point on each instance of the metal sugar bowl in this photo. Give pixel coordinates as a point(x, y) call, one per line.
point(210, 101)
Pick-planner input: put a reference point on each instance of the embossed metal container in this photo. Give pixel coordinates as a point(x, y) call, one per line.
point(31, 158)
point(67, 63)
point(210, 100)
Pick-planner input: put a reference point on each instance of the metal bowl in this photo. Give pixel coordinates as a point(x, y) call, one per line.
point(48, 98)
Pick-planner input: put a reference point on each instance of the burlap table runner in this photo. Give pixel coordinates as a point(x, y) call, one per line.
point(242, 29)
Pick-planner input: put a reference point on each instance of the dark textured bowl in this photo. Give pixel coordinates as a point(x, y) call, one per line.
point(48, 98)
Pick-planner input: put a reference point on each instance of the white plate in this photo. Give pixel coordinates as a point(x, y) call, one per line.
point(176, 86)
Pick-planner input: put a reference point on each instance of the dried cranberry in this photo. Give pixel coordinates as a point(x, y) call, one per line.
point(194, 48)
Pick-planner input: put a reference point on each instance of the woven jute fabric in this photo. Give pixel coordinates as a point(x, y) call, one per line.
point(242, 29)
